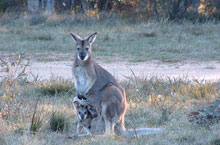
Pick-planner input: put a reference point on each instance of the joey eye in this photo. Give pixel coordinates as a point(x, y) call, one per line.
point(79, 113)
point(78, 48)
point(87, 48)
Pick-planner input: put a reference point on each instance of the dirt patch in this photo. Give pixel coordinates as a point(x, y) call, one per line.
point(199, 70)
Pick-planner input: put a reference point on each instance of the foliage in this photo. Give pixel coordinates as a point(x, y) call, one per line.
point(167, 94)
point(55, 87)
point(207, 115)
point(58, 122)
point(10, 4)
point(3, 4)
point(130, 9)
point(141, 113)
point(13, 74)
point(36, 122)
point(175, 88)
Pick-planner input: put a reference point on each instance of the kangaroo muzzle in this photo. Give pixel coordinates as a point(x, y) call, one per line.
point(83, 56)
point(82, 117)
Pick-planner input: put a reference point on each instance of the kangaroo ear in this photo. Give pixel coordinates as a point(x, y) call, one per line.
point(92, 37)
point(75, 37)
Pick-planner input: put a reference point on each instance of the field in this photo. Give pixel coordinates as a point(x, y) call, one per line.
point(27, 108)
point(165, 41)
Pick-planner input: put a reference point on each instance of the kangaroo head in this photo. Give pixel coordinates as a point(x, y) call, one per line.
point(84, 46)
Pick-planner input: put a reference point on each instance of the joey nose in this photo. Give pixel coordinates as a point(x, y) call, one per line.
point(82, 116)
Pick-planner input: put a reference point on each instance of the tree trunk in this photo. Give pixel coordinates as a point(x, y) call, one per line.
point(85, 4)
point(101, 4)
point(33, 6)
point(155, 9)
point(72, 4)
point(49, 6)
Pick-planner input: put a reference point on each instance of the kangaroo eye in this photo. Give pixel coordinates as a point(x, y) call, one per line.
point(87, 48)
point(77, 48)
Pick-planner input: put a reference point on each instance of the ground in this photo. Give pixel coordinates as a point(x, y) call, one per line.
point(190, 69)
point(168, 70)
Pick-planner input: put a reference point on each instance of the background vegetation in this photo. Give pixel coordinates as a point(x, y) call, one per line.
point(143, 9)
point(170, 30)
point(165, 41)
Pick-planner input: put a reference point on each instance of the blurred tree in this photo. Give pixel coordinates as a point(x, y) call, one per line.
point(12, 5)
point(3, 5)
point(106, 5)
point(36, 6)
point(209, 8)
point(131, 9)
point(33, 6)
point(49, 6)
point(64, 6)
point(176, 8)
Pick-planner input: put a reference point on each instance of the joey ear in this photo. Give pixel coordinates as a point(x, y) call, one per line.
point(75, 37)
point(92, 37)
point(77, 105)
point(87, 107)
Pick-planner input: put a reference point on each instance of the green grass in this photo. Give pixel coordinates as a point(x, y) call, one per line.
point(58, 122)
point(152, 102)
point(55, 87)
point(164, 41)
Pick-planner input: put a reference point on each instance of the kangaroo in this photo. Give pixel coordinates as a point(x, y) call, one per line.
point(99, 88)
point(84, 118)
point(89, 77)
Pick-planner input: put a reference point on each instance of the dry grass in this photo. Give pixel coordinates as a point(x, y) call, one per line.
point(152, 102)
point(143, 41)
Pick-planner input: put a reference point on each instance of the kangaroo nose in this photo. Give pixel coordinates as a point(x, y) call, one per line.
point(82, 116)
point(82, 56)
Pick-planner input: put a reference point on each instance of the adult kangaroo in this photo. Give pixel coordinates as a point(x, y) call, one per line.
point(99, 88)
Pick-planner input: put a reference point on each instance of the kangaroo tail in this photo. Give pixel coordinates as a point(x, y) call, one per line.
point(131, 133)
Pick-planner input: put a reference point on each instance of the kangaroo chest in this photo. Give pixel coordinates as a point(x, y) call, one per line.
point(83, 80)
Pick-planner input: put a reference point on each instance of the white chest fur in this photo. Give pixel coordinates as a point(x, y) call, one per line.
point(83, 82)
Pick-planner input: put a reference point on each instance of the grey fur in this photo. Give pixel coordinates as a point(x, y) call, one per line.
point(100, 89)
point(85, 123)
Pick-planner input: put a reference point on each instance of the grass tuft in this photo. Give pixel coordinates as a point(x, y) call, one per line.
point(215, 142)
point(156, 89)
point(147, 34)
point(56, 87)
point(36, 124)
point(41, 38)
point(58, 122)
